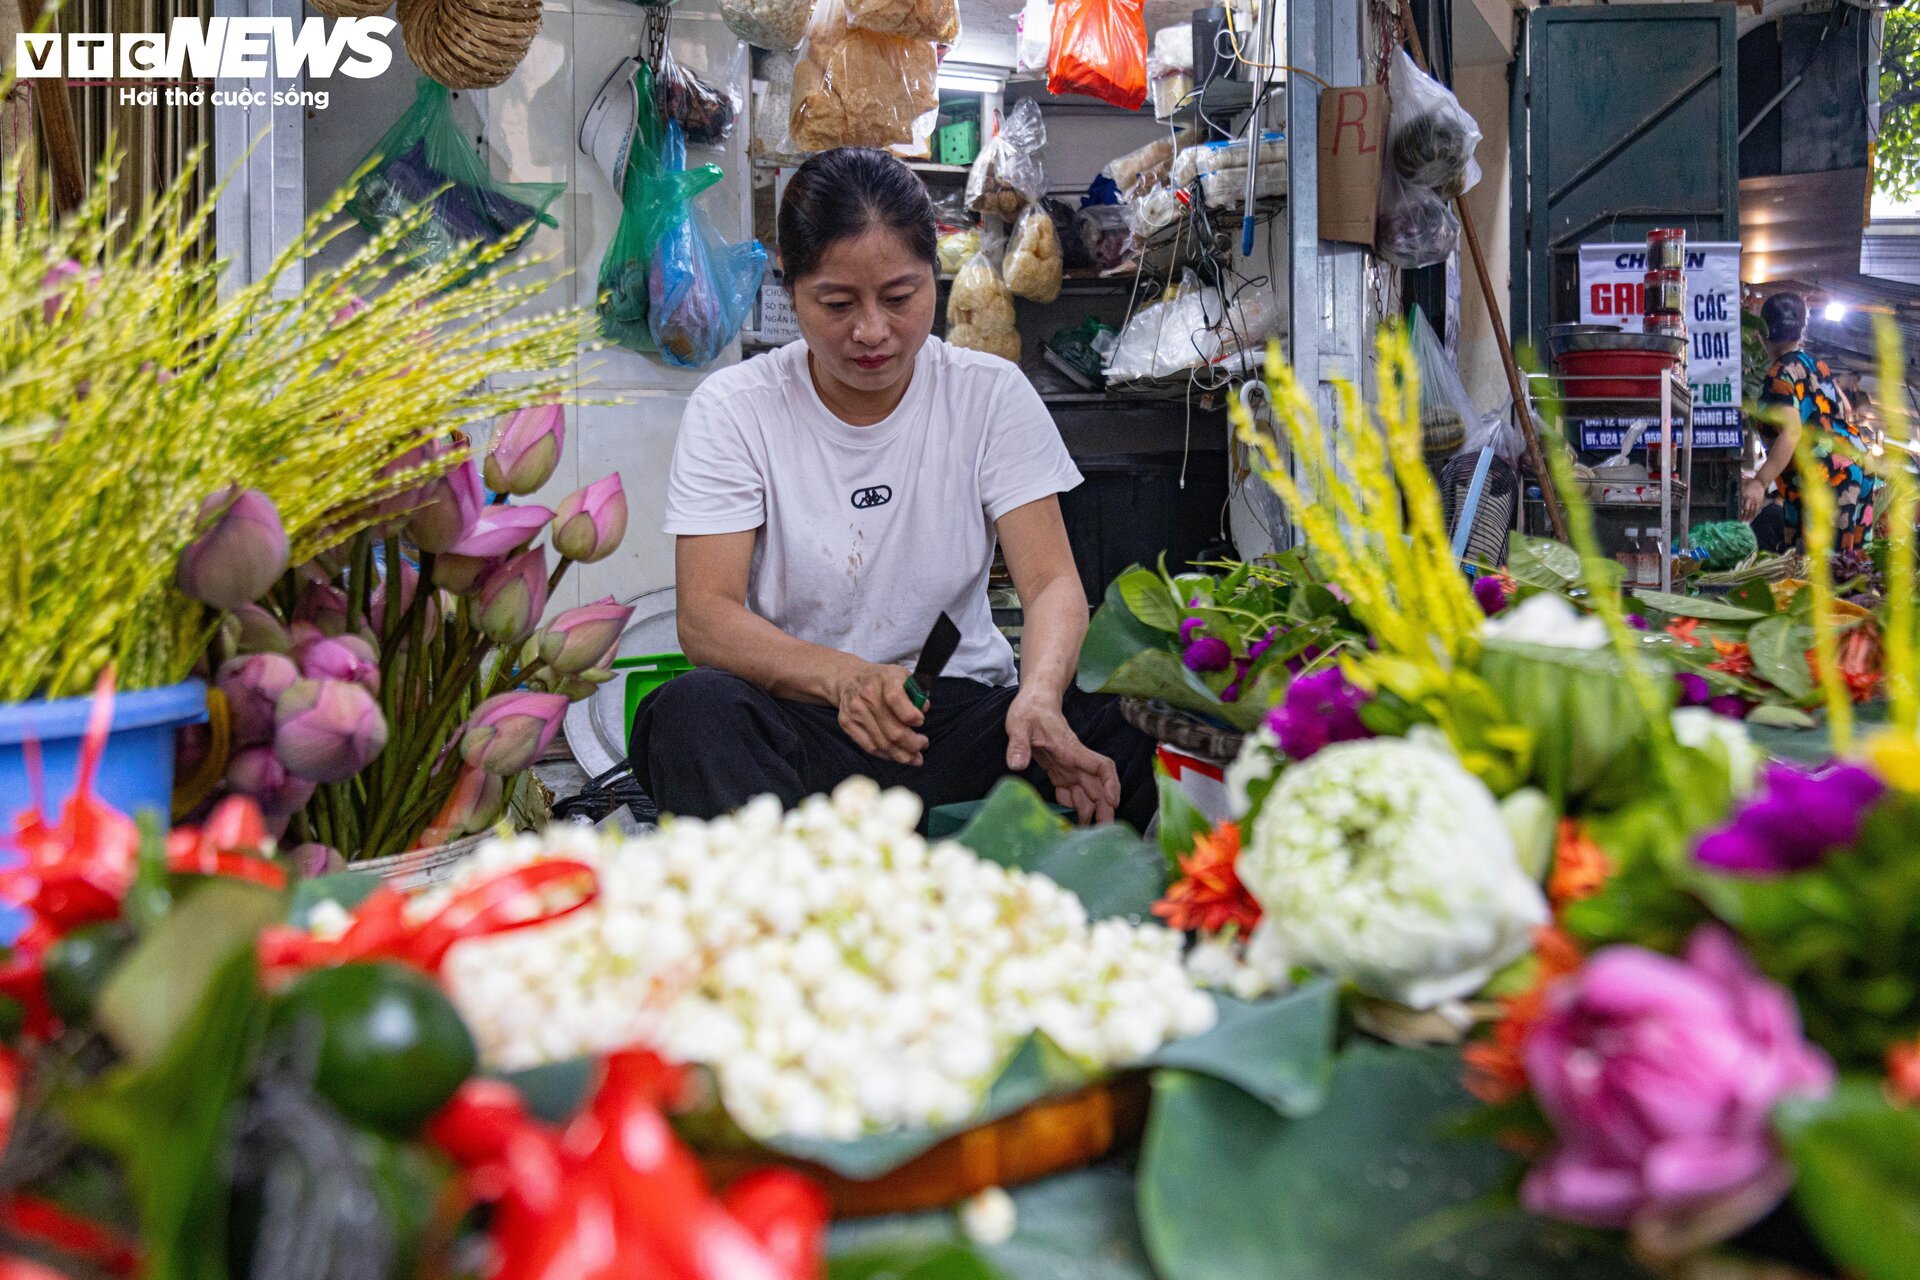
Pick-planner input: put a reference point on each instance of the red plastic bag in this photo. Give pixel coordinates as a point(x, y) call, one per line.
point(1100, 48)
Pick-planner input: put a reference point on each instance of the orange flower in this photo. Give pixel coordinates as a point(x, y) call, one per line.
point(1209, 896)
point(1580, 866)
point(1497, 1068)
point(1735, 658)
point(1683, 629)
point(1903, 1071)
point(1860, 657)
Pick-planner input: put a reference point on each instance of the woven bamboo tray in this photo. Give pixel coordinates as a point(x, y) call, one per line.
point(1180, 729)
point(1049, 1137)
point(418, 868)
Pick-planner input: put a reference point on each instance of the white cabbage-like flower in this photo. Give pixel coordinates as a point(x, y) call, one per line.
point(837, 972)
point(1547, 619)
point(1387, 864)
point(1724, 739)
point(1259, 757)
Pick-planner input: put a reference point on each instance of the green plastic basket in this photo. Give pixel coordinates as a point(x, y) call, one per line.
point(645, 673)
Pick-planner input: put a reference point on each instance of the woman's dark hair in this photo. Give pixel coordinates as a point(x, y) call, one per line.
point(1785, 315)
point(839, 194)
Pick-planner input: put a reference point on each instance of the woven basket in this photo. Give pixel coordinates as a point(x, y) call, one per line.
point(1183, 730)
point(1049, 1137)
point(417, 868)
point(468, 44)
point(351, 8)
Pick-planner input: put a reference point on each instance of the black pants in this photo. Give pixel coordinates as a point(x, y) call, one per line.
point(707, 742)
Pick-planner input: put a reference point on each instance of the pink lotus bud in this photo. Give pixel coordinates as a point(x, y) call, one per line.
point(473, 805)
point(253, 684)
point(513, 598)
point(342, 658)
point(353, 307)
point(258, 773)
point(451, 504)
point(240, 553)
point(526, 450)
point(463, 575)
point(252, 629)
point(579, 638)
point(591, 521)
point(502, 530)
point(327, 730)
point(323, 607)
point(310, 860)
point(59, 283)
point(510, 730)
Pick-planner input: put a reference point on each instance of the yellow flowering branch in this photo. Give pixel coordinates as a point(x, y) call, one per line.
point(1902, 506)
point(1816, 529)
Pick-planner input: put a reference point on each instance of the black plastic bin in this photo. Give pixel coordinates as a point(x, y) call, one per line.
point(1131, 508)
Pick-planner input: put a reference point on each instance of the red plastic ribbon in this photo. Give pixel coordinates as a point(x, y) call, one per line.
point(615, 1194)
point(225, 846)
point(381, 930)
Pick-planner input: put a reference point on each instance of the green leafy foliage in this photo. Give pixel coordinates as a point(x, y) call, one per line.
point(1180, 821)
point(1279, 1050)
point(1112, 871)
point(1896, 155)
point(1857, 1161)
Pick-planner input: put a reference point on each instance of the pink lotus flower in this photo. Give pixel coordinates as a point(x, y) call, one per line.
point(473, 805)
point(59, 283)
point(1658, 1075)
point(591, 521)
point(526, 450)
point(502, 530)
point(510, 730)
point(313, 859)
point(513, 598)
point(322, 608)
point(341, 658)
point(327, 730)
point(258, 773)
point(580, 638)
point(450, 506)
point(240, 553)
point(377, 603)
point(252, 685)
point(462, 575)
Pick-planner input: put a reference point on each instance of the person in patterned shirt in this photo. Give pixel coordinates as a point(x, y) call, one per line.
point(1801, 393)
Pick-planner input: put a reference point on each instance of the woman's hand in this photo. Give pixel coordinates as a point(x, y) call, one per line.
point(1753, 495)
point(879, 716)
point(1083, 779)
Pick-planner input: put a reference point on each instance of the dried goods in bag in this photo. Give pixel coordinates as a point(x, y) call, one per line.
point(980, 311)
point(1105, 234)
point(1032, 32)
point(698, 286)
point(1415, 227)
point(425, 158)
point(705, 112)
point(1430, 136)
point(1100, 48)
point(937, 20)
point(777, 25)
point(1033, 269)
point(1007, 176)
point(855, 88)
point(774, 111)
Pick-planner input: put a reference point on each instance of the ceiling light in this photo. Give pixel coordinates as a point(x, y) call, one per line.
point(970, 77)
point(1835, 312)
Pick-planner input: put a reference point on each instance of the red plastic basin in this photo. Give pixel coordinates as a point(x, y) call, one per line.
point(1613, 374)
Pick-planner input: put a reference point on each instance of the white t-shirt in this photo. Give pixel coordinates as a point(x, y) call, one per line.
point(866, 534)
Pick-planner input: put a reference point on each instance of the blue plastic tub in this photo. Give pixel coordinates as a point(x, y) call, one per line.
point(136, 772)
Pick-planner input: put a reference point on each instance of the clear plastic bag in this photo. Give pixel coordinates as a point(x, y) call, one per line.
point(1099, 48)
point(937, 20)
point(1430, 136)
point(855, 88)
point(1445, 411)
point(1033, 268)
point(653, 201)
point(980, 311)
point(1032, 32)
point(699, 287)
point(704, 112)
point(773, 113)
point(777, 25)
point(1007, 175)
point(1142, 167)
point(1154, 211)
point(417, 159)
point(1414, 226)
point(1169, 337)
point(1105, 235)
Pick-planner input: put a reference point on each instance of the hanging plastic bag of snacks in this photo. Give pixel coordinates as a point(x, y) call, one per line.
point(1105, 234)
point(937, 20)
point(773, 112)
point(855, 88)
point(704, 112)
point(980, 311)
point(1033, 31)
point(777, 25)
point(1007, 175)
point(1033, 268)
point(698, 286)
point(416, 159)
point(1430, 136)
point(1099, 47)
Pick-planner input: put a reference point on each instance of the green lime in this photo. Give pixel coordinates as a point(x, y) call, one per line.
point(80, 963)
point(391, 1048)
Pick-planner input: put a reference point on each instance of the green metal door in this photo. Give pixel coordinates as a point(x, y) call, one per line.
point(1623, 120)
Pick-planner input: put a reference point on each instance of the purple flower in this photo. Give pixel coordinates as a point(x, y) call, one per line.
point(1318, 710)
point(1304, 659)
point(1208, 654)
point(1658, 1075)
point(1490, 594)
point(1637, 622)
point(1730, 705)
point(1258, 649)
point(1694, 689)
point(1188, 627)
point(1795, 823)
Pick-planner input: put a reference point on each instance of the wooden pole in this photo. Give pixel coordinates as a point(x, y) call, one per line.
point(1522, 406)
point(55, 112)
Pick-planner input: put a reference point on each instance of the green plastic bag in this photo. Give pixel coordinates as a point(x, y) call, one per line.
point(653, 201)
point(425, 158)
